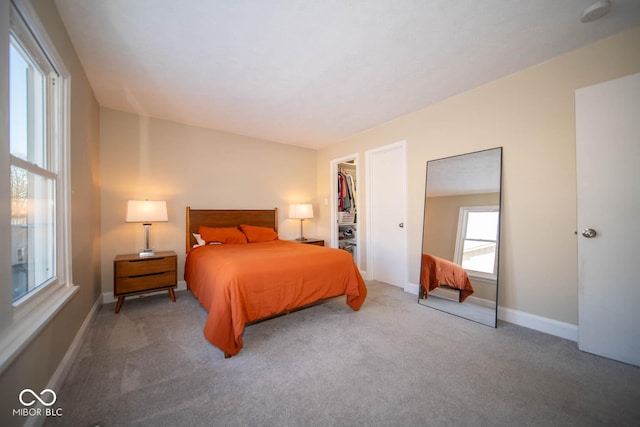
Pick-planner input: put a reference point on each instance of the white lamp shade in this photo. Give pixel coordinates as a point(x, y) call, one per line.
point(146, 211)
point(301, 211)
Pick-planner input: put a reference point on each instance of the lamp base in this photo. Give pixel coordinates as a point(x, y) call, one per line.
point(147, 251)
point(301, 238)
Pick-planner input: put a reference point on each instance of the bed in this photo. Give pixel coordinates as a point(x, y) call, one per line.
point(239, 284)
point(436, 272)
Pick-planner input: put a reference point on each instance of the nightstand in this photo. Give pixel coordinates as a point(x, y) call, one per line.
point(311, 241)
point(133, 274)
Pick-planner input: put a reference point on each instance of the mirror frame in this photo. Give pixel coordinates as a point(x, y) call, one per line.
point(453, 310)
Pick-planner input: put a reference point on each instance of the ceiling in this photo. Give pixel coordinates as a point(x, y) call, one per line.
point(311, 73)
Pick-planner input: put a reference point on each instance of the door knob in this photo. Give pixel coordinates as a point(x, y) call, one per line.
point(589, 233)
point(401, 225)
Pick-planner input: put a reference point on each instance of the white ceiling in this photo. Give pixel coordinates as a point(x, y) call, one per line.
point(311, 73)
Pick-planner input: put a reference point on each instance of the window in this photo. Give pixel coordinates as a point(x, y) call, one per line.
point(34, 172)
point(33, 145)
point(477, 241)
point(38, 188)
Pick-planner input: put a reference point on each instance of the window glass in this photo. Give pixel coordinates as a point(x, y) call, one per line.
point(482, 225)
point(32, 230)
point(478, 240)
point(27, 97)
point(33, 178)
point(479, 256)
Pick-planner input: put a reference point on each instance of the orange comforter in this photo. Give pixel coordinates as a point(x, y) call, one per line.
point(437, 271)
point(238, 284)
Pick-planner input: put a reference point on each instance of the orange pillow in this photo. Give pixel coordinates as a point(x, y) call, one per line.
point(222, 235)
point(257, 234)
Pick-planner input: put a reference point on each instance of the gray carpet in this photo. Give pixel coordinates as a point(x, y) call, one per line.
point(392, 363)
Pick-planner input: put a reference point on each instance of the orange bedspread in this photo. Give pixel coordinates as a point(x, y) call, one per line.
point(437, 271)
point(238, 284)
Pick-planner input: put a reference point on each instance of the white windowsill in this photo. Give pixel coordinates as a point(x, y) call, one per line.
point(16, 338)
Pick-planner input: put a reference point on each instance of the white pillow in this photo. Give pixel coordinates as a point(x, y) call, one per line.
point(199, 239)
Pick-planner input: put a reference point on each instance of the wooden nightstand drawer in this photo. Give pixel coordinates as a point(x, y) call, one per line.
point(133, 274)
point(139, 267)
point(146, 283)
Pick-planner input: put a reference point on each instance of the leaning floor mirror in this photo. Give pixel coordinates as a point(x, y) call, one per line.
point(461, 235)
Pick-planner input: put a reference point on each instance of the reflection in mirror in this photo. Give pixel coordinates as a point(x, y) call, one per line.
point(461, 235)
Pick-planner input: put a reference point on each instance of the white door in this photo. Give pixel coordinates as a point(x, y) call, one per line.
point(608, 173)
point(386, 237)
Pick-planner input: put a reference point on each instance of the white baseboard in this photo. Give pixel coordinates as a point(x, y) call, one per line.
point(557, 328)
point(412, 288)
point(553, 327)
point(57, 379)
point(107, 297)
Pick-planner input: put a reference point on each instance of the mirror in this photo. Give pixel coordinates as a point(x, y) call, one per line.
point(461, 235)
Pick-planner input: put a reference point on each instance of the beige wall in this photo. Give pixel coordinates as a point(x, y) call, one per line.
point(531, 115)
point(146, 158)
point(35, 365)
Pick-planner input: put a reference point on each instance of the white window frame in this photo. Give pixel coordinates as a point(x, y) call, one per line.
point(460, 237)
point(33, 311)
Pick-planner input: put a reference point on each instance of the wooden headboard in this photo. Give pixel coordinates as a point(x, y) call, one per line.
point(227, 218)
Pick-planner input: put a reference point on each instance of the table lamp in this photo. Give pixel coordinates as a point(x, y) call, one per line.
point(301, 211)
point(146, 212)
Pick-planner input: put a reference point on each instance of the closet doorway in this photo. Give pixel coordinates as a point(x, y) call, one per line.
point(386, 214)
point(344, 205)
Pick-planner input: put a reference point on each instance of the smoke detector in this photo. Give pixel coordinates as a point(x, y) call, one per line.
point(596, 11)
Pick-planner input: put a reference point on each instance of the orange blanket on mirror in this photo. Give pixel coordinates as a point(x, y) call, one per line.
point(238, 284)
point(437, 271)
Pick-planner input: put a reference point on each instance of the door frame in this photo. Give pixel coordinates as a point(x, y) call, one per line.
point(333, 165)
point(369, 191)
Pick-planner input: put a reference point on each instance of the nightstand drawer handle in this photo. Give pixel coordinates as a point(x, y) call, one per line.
point(148, 275)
